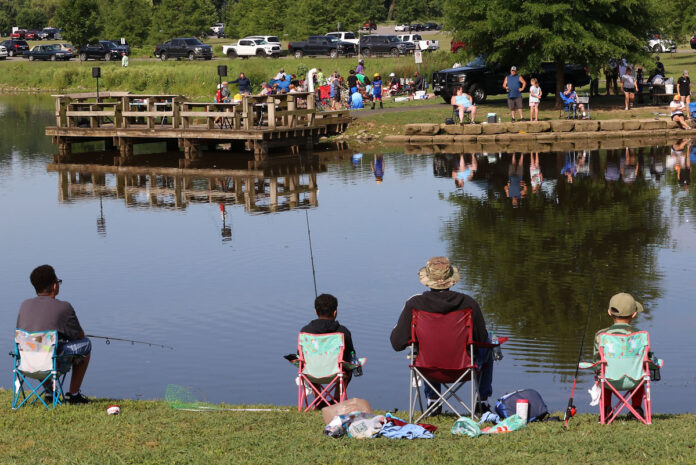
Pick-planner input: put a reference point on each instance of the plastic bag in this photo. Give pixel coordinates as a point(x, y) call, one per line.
point(508, 425)
point(365, 427)
point(466, 426)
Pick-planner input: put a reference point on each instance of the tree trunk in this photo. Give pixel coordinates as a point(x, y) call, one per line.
point(560, 77)
point(390, 13)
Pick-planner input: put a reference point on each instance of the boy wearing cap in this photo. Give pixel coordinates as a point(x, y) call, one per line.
point(376, 90)
point(439, 275)
point(623, 308)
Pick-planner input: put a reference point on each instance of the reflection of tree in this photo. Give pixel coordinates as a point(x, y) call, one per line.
point(22, 122)
point(533, 267)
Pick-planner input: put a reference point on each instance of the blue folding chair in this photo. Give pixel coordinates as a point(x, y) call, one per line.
point(570, 107)
point(35, 358)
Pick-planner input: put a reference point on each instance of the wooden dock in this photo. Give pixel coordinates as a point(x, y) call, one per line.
point(257, 123)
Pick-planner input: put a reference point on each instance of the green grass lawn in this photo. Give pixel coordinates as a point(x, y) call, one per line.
point(150, 432)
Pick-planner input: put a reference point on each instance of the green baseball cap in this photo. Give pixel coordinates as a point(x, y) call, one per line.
point(624, 305)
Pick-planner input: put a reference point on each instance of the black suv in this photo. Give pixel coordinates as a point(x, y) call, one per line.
point(374, 45)
point(101, 50)
point(15, 47)
point(188, 47)
point(125, 47)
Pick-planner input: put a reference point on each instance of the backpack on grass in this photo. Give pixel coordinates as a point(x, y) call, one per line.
point(506, 406)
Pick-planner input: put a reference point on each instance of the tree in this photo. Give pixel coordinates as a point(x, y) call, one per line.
point(127, 18)
point(250, 17)
point(31, 18)
point(79, 20)
point(182, 18)
point(529, 32)
point(8, 15)
point(407, 11)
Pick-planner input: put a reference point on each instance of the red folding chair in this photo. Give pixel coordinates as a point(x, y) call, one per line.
point(320, 369)
point(442, 351)
point(624, 365)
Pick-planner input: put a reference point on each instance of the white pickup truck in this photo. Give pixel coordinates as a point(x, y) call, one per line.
point(250, 48)
point(345, 37)
point(419, 42)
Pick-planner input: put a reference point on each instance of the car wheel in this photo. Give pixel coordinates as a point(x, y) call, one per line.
point(53, 58)
point(333, 53)
point(260, 53)
point(298, 54)
point(107, 57)
point(163, 56)
point(394, 52)
point(366, 52)
point(191, 56)
point(231, 54)
point(83, 56)
point(656, 48)
point(478, 93)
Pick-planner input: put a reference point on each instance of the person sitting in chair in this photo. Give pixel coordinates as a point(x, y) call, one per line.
point(439, 276)
point(570, 97)
point(464, 103)
point(326, 307)
point(46, 313)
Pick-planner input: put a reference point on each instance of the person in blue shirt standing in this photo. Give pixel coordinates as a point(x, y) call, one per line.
point(376, 90)
point(514, 84)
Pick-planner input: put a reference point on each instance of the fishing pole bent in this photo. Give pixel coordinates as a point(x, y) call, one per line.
point(570, 410)
point(132, 341)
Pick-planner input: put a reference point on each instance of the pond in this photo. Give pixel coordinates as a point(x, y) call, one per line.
point(216, 264)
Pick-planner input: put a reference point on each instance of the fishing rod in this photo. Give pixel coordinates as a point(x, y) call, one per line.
point(311, 254)
point(109, 339)
point(570, 410)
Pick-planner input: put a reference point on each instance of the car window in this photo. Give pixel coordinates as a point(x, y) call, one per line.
point(392, 39)
point(245, 42)
point(193, 41)
point(272, 39)
point(176, 43)
point(477, 62)
point(349, 35)
point(333, 34)
point(333, 40)
point(417, 37)
point(260, 42)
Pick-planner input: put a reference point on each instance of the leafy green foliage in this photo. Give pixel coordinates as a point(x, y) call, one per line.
point(31, 18)
point(182, 18)
point(408, 11)
point(126, 18)
point(8, 15)
point(79, 20)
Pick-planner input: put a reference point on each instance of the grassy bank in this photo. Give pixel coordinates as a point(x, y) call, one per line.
point(150, 432)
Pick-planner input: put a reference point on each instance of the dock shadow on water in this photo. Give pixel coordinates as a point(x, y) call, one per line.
point(210, 255)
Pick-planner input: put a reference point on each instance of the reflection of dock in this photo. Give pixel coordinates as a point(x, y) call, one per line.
point(282, 185)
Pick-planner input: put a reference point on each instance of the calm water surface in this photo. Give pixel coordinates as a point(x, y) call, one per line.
point(215, 265)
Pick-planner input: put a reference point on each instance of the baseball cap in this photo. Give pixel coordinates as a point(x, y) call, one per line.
point(624, 305)
point(514, 68)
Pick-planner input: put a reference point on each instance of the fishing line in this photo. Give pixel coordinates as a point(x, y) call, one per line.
point(132, 341)
point(311, 254)
point(570, 410)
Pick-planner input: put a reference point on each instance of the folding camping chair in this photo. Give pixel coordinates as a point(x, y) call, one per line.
point(624, 365)
point(570, 107)
point(455, 115)
point(442, 351)
point(320, 363)
point(35, 358)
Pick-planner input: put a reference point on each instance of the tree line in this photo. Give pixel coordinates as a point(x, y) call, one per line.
point(152, 21)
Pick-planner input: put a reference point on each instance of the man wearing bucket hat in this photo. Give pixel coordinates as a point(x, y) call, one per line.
point(439, 276)
point(623, 308)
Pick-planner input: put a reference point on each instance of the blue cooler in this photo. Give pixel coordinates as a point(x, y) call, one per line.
point(692, 109)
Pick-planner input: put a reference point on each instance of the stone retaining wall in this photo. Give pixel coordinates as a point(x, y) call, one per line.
point(541, 133)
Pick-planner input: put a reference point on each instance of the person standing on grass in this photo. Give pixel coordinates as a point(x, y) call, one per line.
point(534, 99)
point(124, 60)
point(46, 313)
point(684, 90)
point(628, 87)
point(376, 90)
point(514, 84)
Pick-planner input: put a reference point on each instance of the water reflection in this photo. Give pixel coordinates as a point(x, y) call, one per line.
point(164, 181)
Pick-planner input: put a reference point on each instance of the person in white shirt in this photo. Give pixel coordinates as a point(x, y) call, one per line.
point(676, 109)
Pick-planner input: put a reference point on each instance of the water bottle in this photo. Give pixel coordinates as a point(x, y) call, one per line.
point(497, 351)
point(500, 120)
point(654, 370)
point(357, 371)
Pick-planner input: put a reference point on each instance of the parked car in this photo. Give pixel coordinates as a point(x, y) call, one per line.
point(32, 35)
point(218, 29)
point(123, 44)
point(431, 27)
point(67, 48)
point(321, 45)
point(18, 34)
point(15, 47)
point(419, 42)
point(416, 27)
point(51, 52)
point(251, 47)
point(345, 37)
point(480, 79)
point(101, 50)
point(368, 27)
point(3, 52)
point(273, 40)
point(374, 45)
point(659, 45)
point(401, 28)
point(693, 41)
point(456, 45)
point(49, 33)
point(185, 47)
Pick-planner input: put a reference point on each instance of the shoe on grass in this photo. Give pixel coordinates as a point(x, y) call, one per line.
point(437, 410)
point(631, 416)
point(76, 398)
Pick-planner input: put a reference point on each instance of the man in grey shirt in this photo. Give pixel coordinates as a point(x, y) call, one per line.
point(45, 313)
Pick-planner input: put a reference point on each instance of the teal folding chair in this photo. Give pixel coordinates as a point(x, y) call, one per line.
point(624, 365)
point(320, 369)
point(39, 368)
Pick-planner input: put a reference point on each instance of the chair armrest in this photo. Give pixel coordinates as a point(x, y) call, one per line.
point(652, 365)
point(489, 345)
point(352, 366)
point(589, 365)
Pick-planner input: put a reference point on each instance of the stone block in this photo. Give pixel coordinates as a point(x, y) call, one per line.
point(586, 126)
point(453, 129)
point(538, 126)
point(420, 139)
point(611, 125)
point(631, 125)
point(493, 128)
point(472, 129)
point(486, 138)
point(443, 139)
point(396, 138)
point(421, 129)
point(562, 126)
point(465, 138)
point(650, 125)
point(612, 143)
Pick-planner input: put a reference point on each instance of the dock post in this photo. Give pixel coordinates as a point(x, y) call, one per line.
point(260, 150)
point(64, 147)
